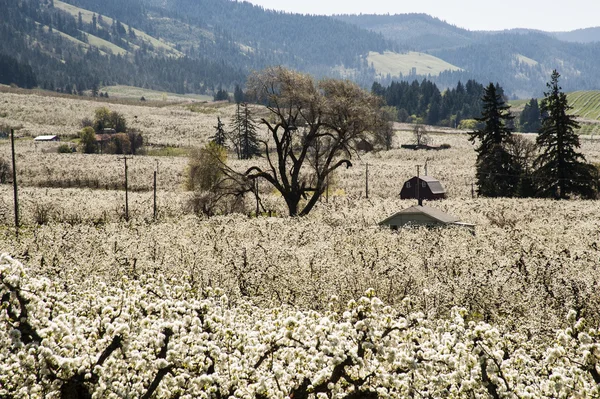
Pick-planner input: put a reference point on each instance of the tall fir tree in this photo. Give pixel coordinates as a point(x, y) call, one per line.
point(243, 134)
point(560, 170)
point(220, 136)
point(238, 94)
point(497, 171)
point(249, 140)
point(530, 120)
point(235, 133)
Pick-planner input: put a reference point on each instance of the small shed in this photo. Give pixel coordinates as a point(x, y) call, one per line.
point(422, 215)
point(46, 138)
point(364, 145)
point(423, 187)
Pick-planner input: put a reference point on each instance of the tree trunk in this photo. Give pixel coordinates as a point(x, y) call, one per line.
point(292, 203)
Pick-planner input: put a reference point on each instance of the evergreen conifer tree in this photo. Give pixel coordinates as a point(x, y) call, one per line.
point(497, 170)
point(560, 169)
point(235, 133)
point(238, 94)
point(530, 120)
point(243, 133)
point(248, 141)
point(220, 137)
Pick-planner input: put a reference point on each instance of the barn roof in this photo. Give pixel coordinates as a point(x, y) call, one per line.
point(433, 213)
point(434, 184)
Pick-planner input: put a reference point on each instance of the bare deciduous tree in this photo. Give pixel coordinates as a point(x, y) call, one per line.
point(313, 130)
point(421, 135)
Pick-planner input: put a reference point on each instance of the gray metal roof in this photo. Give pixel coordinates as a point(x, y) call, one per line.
point(434, 213)
point(434, 184)
point(46, 137)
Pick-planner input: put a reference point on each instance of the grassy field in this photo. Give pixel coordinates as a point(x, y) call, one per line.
point(138, 92)
point(402, 63)
point(526, 60)
point(586, 104)
point(106, 45)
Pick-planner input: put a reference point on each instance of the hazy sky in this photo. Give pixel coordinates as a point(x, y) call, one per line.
point(470, 14)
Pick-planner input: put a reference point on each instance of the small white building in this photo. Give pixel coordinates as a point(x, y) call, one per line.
point(422, 215)
point(46, 138)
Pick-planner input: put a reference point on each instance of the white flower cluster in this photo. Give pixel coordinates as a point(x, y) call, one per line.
point(153, 337)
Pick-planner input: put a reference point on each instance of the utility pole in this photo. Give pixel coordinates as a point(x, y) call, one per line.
point(154, 208)
point(257, 198)
point(126, 192)
point(15, 188)
point(327, 190)
point(367, 180)
point(418, 184)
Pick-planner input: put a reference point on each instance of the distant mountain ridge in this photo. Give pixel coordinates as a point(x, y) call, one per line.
point(521, 60)
point(199, 46)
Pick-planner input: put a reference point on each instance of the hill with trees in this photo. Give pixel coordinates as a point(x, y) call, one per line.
point(519, 59)
point(204, 46)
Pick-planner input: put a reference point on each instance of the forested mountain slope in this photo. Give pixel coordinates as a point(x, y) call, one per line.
point(198, 46)
point(70, 54)
point(521, 60)
point(174, 45)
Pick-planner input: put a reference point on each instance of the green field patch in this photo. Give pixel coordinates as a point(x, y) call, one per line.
point(207, 108)
point(167, 151)
point(403, 63)
point(586, 104)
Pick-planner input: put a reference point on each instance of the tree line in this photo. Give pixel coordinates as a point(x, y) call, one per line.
point(424, 101)
point(509, 165)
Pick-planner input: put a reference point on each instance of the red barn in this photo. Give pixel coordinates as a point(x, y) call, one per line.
point(427, 187)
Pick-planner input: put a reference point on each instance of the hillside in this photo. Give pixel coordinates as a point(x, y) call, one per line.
point(587, 35)
point(521, 60)
point(220, 30)
point(56, 46)
point(408, 64)
point(419, 32)
point(586, 105)
point(198, 46)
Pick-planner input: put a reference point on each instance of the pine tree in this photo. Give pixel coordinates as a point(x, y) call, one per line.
point(243, 134)
point(497, 170)
point(238, 94)
point(235, 133)
point(249, 141)
point(220, 137)
point(530, 120)
point(560, 169)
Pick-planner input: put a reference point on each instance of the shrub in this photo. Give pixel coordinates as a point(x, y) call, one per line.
point(468, 124)
point(136, 141)
point(42, 213)
point(119, 144)
point(88, 140)
point(204, 167)
point(65, 149)
point(85, 122)
point(5, 171)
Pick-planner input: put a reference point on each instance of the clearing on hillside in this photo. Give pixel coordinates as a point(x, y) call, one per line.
point(397, 64)
point(87, 15)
